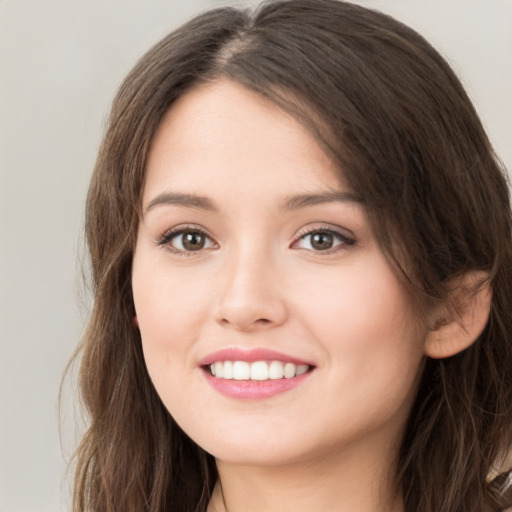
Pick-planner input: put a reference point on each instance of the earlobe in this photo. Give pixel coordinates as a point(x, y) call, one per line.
point(463, 320)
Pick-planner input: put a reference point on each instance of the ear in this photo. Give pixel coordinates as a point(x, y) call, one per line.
point(462, 319)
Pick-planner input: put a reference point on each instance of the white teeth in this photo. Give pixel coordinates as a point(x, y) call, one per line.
point(259, 370)
point(289, 370)
point(219, 370)
point(228, 370)
point(276, 370)
point(301, 369)
point(241, 370)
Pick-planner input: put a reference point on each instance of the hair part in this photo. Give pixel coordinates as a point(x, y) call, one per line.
point(395, 119)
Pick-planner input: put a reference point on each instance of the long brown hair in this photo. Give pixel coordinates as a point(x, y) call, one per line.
point(393, 115)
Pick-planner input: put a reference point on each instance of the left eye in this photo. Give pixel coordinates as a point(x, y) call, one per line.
point(187, 240)
point(321, 240)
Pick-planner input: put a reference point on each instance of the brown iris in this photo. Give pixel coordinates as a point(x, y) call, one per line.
point(322, 241)
point(193, 241)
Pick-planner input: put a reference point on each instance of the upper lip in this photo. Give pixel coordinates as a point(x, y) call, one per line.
point(250, 355)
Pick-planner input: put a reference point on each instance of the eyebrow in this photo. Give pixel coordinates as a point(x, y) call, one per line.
point(292, 203)
point(307, 200)
point(188, 200)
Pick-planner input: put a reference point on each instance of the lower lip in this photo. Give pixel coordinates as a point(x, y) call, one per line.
point(254, 389)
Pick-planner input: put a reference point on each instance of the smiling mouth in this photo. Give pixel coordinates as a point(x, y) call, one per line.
point(256, 371)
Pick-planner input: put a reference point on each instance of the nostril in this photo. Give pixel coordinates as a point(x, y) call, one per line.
point(246, 324)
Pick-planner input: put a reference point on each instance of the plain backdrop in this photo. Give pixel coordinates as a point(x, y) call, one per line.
point(60, 64)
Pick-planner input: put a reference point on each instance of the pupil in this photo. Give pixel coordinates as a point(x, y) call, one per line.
point(322, 241)
point(193, 241)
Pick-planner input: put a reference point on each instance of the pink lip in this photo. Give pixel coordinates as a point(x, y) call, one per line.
point(249, 355)
point(251, 389)
point(254, 389)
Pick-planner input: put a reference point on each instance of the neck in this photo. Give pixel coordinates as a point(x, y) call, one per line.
point(342, 483)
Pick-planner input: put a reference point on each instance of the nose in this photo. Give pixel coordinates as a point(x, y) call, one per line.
point(251, 295)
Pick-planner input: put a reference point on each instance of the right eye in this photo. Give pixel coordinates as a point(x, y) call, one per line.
point(186, 240)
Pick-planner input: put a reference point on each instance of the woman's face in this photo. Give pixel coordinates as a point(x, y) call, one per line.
point(254, 259)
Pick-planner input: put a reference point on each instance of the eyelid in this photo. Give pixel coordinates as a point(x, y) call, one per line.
point(347, 238)
point(168, 235)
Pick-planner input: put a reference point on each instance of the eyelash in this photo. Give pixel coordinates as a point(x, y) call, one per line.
point(165, 240)
point(346, 242)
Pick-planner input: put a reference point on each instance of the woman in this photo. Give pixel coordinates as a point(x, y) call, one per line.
point(301, 251)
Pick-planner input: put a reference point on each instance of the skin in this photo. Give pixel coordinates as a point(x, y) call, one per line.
point(259, 281)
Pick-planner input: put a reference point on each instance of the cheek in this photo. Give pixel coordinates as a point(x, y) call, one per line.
point(372, 348)
point(170, 308)
point(365, 322)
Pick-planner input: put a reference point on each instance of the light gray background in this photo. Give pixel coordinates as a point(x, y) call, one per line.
point(60, 64)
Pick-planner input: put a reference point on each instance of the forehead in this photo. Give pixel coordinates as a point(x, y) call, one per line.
point(222, 133)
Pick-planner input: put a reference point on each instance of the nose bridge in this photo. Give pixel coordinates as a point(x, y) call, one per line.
point(250, 293)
